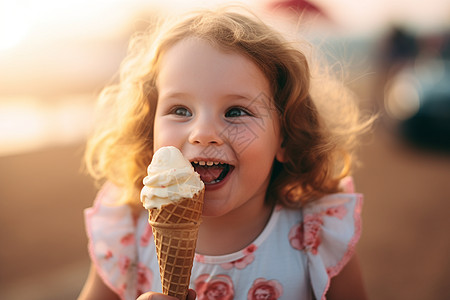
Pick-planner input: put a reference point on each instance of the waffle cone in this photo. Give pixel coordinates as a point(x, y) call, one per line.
point(175, 230)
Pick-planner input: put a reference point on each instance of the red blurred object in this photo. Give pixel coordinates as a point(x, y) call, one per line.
point(302, 6)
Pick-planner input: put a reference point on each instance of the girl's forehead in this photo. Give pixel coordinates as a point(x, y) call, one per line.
point(202, 48)
point(194, 61)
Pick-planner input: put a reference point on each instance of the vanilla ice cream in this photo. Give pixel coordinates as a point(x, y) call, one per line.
point(170, 178)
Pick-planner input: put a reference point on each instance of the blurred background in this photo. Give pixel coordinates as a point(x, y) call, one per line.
point(55, 56)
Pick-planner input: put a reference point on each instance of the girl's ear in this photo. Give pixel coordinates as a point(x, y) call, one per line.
point(281, 154)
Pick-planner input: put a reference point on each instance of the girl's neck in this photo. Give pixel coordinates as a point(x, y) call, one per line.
point(233, 231)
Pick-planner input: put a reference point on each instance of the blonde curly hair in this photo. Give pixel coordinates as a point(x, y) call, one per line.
point(319, 120)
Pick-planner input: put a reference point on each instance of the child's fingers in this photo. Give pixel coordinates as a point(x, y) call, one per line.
point(191, 295)
point(156, 296)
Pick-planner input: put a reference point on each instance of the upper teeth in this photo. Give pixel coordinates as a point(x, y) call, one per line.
point(208, 163)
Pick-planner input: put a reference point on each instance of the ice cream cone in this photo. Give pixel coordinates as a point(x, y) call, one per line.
point(175, 230)
point(173, 194)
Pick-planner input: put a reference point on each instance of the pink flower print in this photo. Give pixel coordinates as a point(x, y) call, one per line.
point(127, 239)
point(306, 235)
point(108, 254)
point(144, 278)
point(250, 249)
point(263, 289)
point(122, 289)
point(145, 238)
point(244, 261)
point(124, 264)
point(199, 258)
point(312, 227)
point(296, 237)
point(228, 265)
point(337, 211)
point(217, 287)
point(240, 263)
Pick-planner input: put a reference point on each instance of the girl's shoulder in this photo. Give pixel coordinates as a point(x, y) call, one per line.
point(327, 234)
point(114, 236)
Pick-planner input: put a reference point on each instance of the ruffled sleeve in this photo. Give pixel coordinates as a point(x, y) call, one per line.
point(328, 234)
point(112, 248)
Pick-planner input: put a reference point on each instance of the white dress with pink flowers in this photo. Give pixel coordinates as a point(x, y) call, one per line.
point(293, 258)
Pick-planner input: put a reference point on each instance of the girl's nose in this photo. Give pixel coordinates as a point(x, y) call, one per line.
point(205, 132)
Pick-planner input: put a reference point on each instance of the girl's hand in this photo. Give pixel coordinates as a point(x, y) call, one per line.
point(157, 296)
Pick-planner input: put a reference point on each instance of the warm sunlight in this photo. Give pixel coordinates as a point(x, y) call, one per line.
point(48, 19)
point(51, 49)
point(27, 125)
point(14, 24)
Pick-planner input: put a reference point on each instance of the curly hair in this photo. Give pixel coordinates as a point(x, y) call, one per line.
point(319, 120)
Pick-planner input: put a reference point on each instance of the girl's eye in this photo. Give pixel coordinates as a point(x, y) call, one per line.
point(181, 111)
point(236, 112)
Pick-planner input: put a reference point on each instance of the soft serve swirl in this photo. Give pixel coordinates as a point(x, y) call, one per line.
point(170, 178)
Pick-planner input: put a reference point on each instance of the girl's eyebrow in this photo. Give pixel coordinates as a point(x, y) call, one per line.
point(175, 94)
point(239, 96)
point(186, 95)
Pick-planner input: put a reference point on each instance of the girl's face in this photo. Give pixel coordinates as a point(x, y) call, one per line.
point(216, 107)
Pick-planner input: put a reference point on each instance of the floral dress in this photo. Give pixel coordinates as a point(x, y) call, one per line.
point(294, 257)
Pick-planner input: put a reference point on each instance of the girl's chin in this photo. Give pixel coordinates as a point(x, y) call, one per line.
point(217, 197)
point(214, 208)
point(212, 213)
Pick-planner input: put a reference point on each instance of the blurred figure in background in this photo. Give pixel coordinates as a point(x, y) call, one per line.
point(416, 71)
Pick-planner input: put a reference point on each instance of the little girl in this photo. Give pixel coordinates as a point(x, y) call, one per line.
point(280, 218)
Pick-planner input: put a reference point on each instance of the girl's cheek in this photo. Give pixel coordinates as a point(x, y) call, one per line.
point(240, 136)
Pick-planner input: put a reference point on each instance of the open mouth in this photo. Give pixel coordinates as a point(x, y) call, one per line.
point(211, 172)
